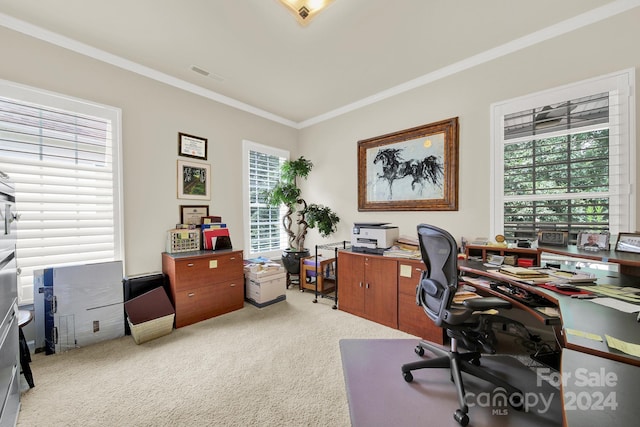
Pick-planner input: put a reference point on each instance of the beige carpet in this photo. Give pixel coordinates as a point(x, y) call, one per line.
point(275, 366)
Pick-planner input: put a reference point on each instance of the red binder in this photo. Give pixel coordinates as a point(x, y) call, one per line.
point(210, 237)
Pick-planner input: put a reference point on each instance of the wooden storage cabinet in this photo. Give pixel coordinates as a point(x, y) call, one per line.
point(411, 317)
point(204, 284)
point(369, 287)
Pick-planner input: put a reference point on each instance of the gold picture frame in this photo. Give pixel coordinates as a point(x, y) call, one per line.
point(411, 170)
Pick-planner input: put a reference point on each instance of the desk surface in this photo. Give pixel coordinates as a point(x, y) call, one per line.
point(583, 318)
point(598, 382)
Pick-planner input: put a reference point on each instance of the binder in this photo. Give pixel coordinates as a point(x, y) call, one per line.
point(216, 238)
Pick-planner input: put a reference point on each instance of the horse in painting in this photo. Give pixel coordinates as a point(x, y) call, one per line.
point(422, 172)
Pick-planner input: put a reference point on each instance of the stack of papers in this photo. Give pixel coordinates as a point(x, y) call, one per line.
point(522, 273)
point(570, 277)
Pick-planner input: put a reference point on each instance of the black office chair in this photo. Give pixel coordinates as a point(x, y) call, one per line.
point(464, 325)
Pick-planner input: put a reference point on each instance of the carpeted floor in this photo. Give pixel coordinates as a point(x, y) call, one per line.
point(378, 395)
point(276, 366)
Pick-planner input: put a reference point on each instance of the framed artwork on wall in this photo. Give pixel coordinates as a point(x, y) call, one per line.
point(411, 170)
point(194, 180)
point(192, 146)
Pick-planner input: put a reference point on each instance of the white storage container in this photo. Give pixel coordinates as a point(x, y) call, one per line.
point(266, 290)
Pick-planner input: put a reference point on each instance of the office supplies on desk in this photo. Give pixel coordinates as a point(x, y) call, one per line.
point(563, 290)
point(570, 276)
point(522, 273)
point(617, 304)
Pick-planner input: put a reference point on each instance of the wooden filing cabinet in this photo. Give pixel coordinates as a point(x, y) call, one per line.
point(204, 284)
point(369, 287)
point(411, 317)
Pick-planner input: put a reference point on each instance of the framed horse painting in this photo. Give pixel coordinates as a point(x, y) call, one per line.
point(411, 170)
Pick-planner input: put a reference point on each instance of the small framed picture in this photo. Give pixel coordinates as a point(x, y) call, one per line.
point(194, 180)
point(593, 241)
point(192, 215)
point(628, 242)
point(553, 238)
point(192, 146)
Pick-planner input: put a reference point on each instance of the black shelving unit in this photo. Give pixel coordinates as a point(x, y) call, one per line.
point(336, 246)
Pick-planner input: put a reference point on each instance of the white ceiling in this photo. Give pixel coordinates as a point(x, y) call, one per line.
point(353, 53)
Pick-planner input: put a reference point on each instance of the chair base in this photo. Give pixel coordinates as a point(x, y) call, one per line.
point(458, 363)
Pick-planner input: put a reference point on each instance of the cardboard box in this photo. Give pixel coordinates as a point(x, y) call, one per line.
point(266, 290)
point(150, 315)
point(259, 271)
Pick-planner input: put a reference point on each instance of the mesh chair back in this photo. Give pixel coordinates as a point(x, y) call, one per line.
point(438, 284)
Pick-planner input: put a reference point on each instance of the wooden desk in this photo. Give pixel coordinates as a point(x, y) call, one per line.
point(598, 381)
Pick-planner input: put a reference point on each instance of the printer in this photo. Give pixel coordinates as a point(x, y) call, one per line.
point(373, 237)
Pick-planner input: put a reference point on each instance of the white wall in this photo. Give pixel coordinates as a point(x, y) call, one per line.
point(152, 115)
point(596, 50)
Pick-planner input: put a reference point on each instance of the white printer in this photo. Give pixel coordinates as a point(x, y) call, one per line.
point(373, 237)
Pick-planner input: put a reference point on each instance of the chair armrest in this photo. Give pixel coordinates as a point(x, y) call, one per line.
point(487, 303)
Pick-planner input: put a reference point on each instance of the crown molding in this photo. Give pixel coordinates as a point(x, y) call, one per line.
point(595, 15)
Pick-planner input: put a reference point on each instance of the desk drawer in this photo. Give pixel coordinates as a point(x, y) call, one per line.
point(204, 302)
point(196, 272)
point(408, 276)
point(413, 320)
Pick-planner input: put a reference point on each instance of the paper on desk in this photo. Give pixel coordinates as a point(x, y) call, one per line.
point(583, 334)
point(618, 305)
point(626, 347)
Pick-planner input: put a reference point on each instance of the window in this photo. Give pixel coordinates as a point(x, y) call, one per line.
point(261, 168)
point(561, 160)
point(63, 155)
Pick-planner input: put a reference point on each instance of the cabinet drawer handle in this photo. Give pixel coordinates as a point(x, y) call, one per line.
point(360, 284)
point(190, 264)
point(233, 285)
point(232, 258)
point(368, 286)
point(190, 294)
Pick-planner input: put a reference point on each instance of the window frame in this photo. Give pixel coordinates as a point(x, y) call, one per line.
point(620, 87)
point(248, 146)
point(55, 100)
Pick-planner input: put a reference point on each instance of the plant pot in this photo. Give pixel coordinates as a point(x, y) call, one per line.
point(291, 259)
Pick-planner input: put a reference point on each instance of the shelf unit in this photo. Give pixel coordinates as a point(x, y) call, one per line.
point(484, 250)
point(334, 247)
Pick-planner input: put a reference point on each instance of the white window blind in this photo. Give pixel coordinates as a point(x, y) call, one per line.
point(262, 172)
point(562, 160)
point(63, 156)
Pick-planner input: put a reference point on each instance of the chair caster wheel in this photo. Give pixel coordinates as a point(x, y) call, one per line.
point(408, 376)
point(419, 351)
point(475, 362)
point(461, 417)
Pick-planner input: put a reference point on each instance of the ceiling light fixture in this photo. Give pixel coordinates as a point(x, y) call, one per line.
point(304, 10)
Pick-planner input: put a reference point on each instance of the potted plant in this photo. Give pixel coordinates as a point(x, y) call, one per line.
point(300, 216)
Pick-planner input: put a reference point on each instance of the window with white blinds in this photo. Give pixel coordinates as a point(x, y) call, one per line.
point(63, 156)
point(562, 160)
point(262, 171)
